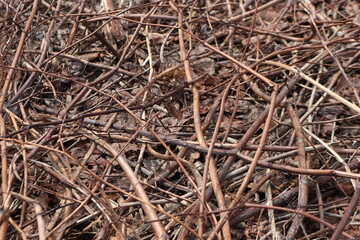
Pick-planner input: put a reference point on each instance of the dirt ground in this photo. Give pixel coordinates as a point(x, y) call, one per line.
point(192, 119)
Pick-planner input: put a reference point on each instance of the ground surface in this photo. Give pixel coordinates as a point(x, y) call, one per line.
point(179, 119)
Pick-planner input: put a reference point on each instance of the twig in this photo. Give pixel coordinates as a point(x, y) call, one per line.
point(253, 165)
point(317, 84)
point(303, 179)
point(346, 216)
point(3, 94)
point(302, 213)
point(157, 226)
point(336, 155)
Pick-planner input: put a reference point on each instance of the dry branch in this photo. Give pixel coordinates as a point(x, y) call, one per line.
point(178, 119)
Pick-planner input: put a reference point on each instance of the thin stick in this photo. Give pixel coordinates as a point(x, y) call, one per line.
point(349, 210)
point(317, 84)
point(303, 179)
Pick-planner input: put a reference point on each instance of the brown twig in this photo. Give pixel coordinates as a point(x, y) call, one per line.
point(4, 92)
point(184, 163)
point(303, 179)
point(347, 214)
point(302, 213)
point(253, 165)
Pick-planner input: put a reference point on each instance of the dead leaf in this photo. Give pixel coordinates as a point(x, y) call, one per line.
point(170, 107)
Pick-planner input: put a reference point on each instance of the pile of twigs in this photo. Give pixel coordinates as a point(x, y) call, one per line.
point(179, 119)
